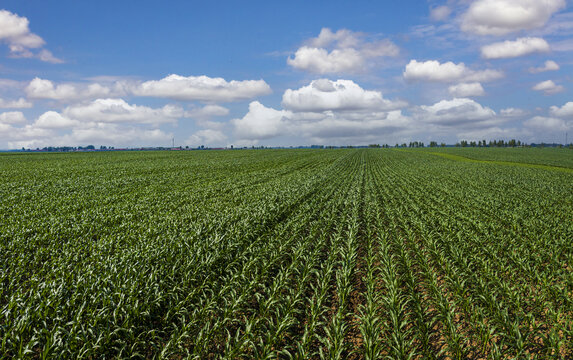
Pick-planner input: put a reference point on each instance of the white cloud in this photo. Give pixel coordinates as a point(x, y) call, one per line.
point(547, 124)
point(321, 61)
point(549, 65)
point(433, 70)
point(203, 116)
point(54, 120)
point(47, 56)
point(333, 111)
point(548, 87)
point(330, 127)
point(345, 38)
point(343, 51)
point(12, 117)
point(352, 128)
point(117, 135)
point(21, 103)
point(466, 90)
point(202, 88)
point(54, 129)
point(16, 136)
point(340, 95)
point(493, 132)
point(207, 137)
point(456, 112)
point(440, 13)
point(96, 115)
point(500, 17)
point(15, 31)
point(207, 111)
point(564, 111)
point(45, 89)
point(6, 129)
point(119, 111)
point(341, 112)
point(512, 112)
point(261, 122)
point(511, 49)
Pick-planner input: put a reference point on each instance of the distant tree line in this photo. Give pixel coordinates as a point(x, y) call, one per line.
point(384, 146)
point(483, 143)
point(492, 143)
point(69, 148)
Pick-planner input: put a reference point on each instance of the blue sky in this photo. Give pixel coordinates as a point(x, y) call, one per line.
point(223, 73)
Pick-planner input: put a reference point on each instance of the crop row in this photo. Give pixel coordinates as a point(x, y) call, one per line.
point(283, 254)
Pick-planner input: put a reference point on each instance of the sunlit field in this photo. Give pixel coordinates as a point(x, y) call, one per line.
point(340, 254)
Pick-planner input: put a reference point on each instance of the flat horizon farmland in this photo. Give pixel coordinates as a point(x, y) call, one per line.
point(434, 253)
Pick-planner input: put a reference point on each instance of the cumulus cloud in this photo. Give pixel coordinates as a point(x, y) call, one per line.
point(93, 133)
point(58, 129)
point(119, 111)
point(338, 127)
point(500, 17)
point(466, 90)
point(549, 65)
point(21, 103)
point(15, 31)
point(12, 117)
point(343, 51)
point(440, 13)
point(511, 49)
point(564, 111)
point(208, 137)
point(102, 121)
point(345, 38)
point(202, 88)
point(340, 95)
point(261, 122)
point(494, 132)
point(548, 87)
point(54, 120)
point(17, 136)
point(114, 134)
point(433, 70)
point(45, 89)
point(321, 61)
point(176, 87)
point(325, 110)
point(203, 116)
point(547, 124)
point(455, 112)
point(5, 129)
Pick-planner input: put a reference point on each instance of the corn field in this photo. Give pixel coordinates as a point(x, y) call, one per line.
point(290, 254)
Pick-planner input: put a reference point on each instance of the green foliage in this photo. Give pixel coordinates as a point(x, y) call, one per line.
point(306, 254)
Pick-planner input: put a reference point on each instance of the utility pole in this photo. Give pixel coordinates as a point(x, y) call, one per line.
point(172, 142)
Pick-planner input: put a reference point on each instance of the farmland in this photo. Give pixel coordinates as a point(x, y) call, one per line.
point(339, 254)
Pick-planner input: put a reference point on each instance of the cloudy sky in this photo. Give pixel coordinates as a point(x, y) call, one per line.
point(220, 73)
